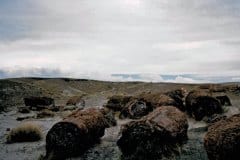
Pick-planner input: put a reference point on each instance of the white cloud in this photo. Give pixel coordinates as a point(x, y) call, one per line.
point(236, 79)
point(180, 46)
point(181, 79)
point(122, 36)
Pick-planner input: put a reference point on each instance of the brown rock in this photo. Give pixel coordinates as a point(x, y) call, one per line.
point(200, 104)
point(178, 96)
point(118, 102)
point(76, 133)
point(39, 103)
point(135, 109)
point(155, 135)
point(222, 140)
point(159, 99)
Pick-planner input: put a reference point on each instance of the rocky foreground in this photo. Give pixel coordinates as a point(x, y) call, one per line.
point(83, 119)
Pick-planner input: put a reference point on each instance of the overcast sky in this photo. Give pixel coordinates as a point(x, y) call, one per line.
point(187, 40)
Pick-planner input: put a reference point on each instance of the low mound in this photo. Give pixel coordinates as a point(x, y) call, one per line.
point(155, 135)
point(222, 140)
point(26, 132)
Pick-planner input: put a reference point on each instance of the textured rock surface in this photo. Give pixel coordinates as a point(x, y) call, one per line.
point(76, 133)
point(118, 102)
point(178, 96)
point(161, 99)
point(135, 109)
point(155, 135)
point(200, 104)
point(222, 140)
point(39, 103)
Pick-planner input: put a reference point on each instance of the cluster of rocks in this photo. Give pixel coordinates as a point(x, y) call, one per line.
point(135, 107)
point(45, 106)
point(197, 104)
point(159, 126)
point(161, 123)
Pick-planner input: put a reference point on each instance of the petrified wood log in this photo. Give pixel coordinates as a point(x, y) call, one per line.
point(178, 96)
point(159, 99)
point(135, 109)
point(155, 135)
point(118, 102)
point(76, 133)
point(222, 140)
point(39, 102)
point(200, 104)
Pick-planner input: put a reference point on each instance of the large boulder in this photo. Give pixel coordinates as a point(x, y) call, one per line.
point(222, 140)
point(118, 102)
point(155, 135)
point(39, 103)
point(76, 133)
point(200, 104)
point(158, 99)
point(135, 109)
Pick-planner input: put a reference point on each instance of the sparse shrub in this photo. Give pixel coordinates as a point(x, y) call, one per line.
point(26, 132)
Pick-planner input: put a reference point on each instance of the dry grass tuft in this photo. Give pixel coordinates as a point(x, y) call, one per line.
point(26, 132)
